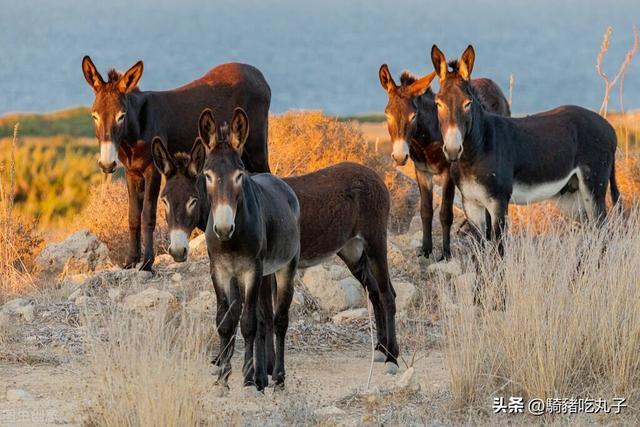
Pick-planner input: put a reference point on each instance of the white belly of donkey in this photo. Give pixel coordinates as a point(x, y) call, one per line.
point(524, 194)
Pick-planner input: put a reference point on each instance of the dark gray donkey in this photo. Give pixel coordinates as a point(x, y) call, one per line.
point(566, 154)
point(253, 231)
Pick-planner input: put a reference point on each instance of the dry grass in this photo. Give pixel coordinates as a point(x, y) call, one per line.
point(18, 239)
point(106, 215)
point(570, 318)
point(149, 370)
point(303, 142)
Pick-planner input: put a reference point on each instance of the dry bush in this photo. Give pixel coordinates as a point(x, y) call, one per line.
point(148, 370)
point(559, 316)
point(303, 142)
point(106, 214)
point(18, 238)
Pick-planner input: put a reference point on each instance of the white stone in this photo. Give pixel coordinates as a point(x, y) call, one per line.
point(150, 297)
point(27, 312)
point(176, 277)
point(15, 394)
point(450, 268)
point(351, 315)
point(298, 297)
point(408, 380)
point(332, 296)
point(405, 292)
point(338, 272)
point(79, 253)
point(14, 304)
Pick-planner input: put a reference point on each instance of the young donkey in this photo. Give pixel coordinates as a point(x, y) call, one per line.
point(252, 231)
point(412, 122)
point(344, 211)
point(126, 120)
point(566, 154)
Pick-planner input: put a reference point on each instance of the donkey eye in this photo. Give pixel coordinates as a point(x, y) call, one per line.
point(95, 117)
point(439, 104)
point(467, 104)
point(412, 117)
point(239, 177)
point(120, 118)
point(191, 204)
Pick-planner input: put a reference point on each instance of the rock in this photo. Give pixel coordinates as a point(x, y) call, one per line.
point(150, 297)
point(10, 307)
point(115, 294)
point(176, 277)
point(450, 268)
point(390, 368)
point(351, 315)
point(465, 287)
point(338, 272)
point(198, 246)
point(205, 302)
point(75, 294)
point(15, 394)
point(163, 259)
point(329, 411)
point(5, 322)
point(408, 381)
point(27, 312)
point(332, 296)
point(405, 199)
point(79, 253)
point(298, 297)
point(405, 292)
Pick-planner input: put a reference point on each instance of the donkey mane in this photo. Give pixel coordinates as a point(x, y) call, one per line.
point(454, 68)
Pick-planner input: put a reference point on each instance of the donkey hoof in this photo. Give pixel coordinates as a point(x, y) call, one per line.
point(379, 356)
point(391, 368)
point(421, 252)
point(278, 387)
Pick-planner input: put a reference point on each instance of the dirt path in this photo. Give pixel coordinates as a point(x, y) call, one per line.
point(326, 386)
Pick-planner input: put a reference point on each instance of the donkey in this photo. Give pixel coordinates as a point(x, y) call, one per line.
point(344, 210)
point(253, 231)
point(567, 153)
point(412, 122)
point(126, 120)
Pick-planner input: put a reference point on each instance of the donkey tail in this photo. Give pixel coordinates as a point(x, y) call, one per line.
point(615, 193)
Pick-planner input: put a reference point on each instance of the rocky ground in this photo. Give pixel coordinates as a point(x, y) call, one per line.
point(46, 375)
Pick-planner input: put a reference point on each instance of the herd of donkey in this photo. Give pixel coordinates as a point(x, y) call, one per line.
point(209, 141)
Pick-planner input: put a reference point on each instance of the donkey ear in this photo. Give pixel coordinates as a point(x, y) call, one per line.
point(161, 157)
point(91, 74)
point(197, 157)
point(466, 62)
point(207, 128)
point(239, 129)
point(386, 79)
point(439, 62)
point(130, 79)
point(420, 86)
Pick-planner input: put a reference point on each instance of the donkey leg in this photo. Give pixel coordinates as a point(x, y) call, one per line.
point(254, 367)
point(284, 279)
point(356, 260)
point(227, 319)
point(498, 221)
point(149, 211)
point(446, 213)
point(593, 190)
point(376, 251)
point(265, 302)
point(135, 188)
point(425, 183)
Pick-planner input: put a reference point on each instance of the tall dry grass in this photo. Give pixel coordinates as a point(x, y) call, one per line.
point(558, 316)
point(18, 238)
point(148, 370)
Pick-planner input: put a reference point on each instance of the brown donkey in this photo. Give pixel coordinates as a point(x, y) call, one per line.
point(127, 119)
point(412, 121)
point(344, 210)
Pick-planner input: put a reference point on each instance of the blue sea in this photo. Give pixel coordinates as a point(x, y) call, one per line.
point(318, 54)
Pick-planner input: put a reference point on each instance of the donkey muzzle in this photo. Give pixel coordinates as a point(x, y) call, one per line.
point(452, 147)
point(107, 167)
point(400, 153)
point(224, 232)
point(179, 247)
point(223, 221)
